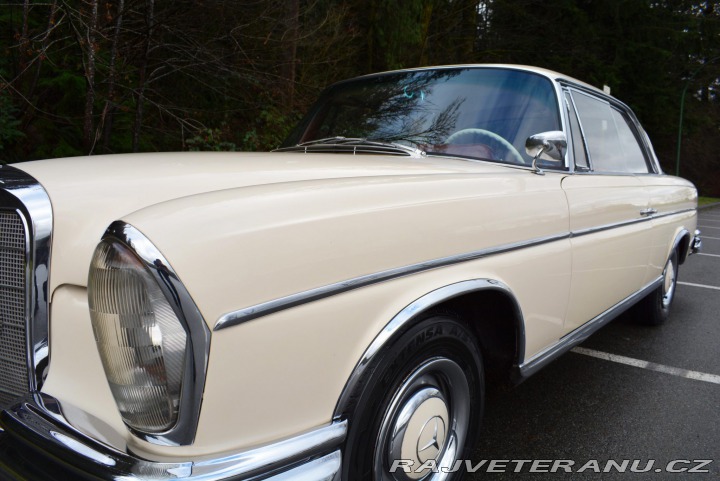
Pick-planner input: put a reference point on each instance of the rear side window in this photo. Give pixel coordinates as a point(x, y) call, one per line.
point(611, 142)
point(634, 157)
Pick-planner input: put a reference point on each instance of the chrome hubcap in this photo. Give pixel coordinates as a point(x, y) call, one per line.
point(420, 430)
point(425, 424)
point(668, 284)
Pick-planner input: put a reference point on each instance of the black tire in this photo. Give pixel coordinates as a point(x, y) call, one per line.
point(433, 370)
point(654, 309)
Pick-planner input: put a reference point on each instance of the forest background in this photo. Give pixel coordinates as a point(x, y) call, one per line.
point(81, 77)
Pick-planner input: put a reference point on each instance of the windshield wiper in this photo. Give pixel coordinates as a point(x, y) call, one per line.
point(354, 142)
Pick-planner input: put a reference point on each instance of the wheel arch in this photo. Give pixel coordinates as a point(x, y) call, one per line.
point(681, 244)
point(485, 304)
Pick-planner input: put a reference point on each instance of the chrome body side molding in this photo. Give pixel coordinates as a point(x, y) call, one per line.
point(38, 421)
point(593, 230)
point(197, 355)
point(247, 314)
point(404, 319)
point(579, 335)
point(21, 192)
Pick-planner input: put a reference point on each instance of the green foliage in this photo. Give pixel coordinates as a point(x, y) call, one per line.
point(9, 123)
point(395, 33)
point(708, 200)
point(209, 140)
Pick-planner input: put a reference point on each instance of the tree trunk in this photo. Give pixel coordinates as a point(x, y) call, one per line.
point(142, 81)
point(291, 41)
point(109, 110)
point(91, 39)
point(29, 107)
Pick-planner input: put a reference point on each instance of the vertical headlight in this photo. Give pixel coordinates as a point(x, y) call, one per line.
point(143, 337)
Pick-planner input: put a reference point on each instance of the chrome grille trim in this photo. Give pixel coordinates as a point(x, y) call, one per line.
point(13, 306)
point(22, 196)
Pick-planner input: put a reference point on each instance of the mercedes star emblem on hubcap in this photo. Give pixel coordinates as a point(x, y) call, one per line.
point(431, 440)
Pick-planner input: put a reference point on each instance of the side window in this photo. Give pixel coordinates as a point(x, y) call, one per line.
point(578, 144)
point(611, 143)
point(634, 157)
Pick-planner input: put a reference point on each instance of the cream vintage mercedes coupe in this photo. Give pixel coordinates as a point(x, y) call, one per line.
point(330, 310)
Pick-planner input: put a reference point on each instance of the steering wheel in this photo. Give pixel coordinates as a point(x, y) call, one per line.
point(489, 135)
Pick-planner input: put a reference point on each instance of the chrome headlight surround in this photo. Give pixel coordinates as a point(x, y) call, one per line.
point(197, 342)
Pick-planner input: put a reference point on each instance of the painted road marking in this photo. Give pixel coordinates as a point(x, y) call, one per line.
point(629, 361)
point(708, 227)
point(699, 285)
point(709, 255)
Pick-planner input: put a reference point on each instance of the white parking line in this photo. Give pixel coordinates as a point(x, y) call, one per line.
point(698, 285)
point(629, 361)
point(709, 255)
point(706, 237)
point(708, 227)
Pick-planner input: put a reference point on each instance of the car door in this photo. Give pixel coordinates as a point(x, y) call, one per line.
point(608, 208)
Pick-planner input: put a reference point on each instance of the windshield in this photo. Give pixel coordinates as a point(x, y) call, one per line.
point(480, 113)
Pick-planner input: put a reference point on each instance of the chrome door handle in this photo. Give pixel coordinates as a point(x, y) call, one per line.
point(648, 211)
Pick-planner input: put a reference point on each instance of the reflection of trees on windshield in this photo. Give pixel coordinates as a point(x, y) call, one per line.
point(399, 108)
point(416, 130)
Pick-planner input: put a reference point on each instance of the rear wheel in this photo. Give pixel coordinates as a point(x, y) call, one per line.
point(421, 407)
point(655, 308)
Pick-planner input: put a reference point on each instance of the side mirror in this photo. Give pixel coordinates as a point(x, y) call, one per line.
point(546, 146)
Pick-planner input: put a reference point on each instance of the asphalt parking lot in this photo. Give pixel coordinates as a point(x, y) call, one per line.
point(616, 406)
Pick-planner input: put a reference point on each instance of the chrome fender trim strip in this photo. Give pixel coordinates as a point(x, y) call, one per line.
point(243, 315)
point(405, 317)
point(683, 250)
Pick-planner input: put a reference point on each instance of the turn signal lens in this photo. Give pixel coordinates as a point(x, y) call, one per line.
point(141, 341)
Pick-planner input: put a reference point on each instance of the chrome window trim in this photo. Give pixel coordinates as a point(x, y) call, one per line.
point(405, 317)
point(22, 192)
point(571, 105)
point(270, 307)
point(193, 385)
point(39, 421)
point(579, 335)
point(567, 167)
point(243, 315)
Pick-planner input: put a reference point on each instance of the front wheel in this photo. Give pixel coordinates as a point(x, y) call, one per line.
point(420, 409)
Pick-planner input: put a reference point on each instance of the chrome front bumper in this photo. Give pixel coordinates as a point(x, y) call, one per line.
point(38, 423)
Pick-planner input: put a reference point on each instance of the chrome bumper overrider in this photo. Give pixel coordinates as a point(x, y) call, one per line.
point(696, 244)
point(38, 423)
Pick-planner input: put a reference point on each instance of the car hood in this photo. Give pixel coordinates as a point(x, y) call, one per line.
point(88, 193)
